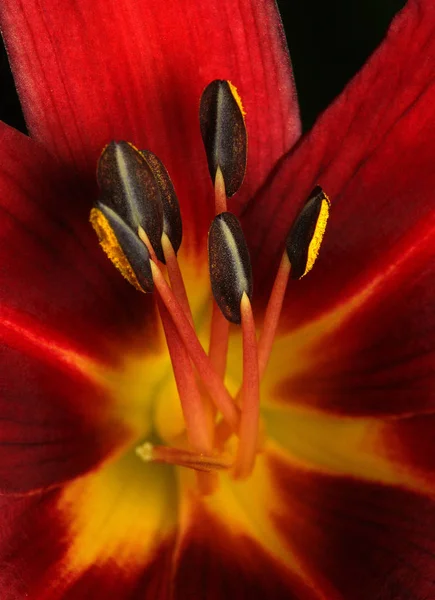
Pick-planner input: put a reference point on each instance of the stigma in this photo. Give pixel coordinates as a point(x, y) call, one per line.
point(138, 222)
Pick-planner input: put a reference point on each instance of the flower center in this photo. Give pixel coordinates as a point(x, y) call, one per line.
point(138, 222)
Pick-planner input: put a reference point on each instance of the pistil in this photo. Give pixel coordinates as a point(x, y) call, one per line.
point(207, 463)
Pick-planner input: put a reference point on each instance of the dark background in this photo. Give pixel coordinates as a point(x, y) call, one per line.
point(329, 41)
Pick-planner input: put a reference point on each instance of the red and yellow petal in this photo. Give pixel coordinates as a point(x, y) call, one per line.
point(316, 531)
point(216, 559)
point(85, 371)
point(374, 353)
point(367, 448)
point(76, 339)
point(110, 533)
point(79, 91)
point(290, 531)
point(55, 420)
point(339, 535)
point(358, 498)
point(367, 540)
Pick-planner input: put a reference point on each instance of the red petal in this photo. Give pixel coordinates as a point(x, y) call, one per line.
point(409, 442)
point(373, 152)
point(52, 267)
point(66, 315)
point(85, 77)
point(366, 540)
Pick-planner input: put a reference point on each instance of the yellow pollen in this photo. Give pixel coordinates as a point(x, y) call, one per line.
point(236, 97)
point(111, 247)
point(319, 231)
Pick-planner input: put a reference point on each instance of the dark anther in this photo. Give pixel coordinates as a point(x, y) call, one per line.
point(305, 236)
point(172, 224)
point(230, 265)
point(123, 247)
point(129, 188)
point(224, 134)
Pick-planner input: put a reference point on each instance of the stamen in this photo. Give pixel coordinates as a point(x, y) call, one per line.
point(231, 281)
point(145, 239)
point(210, 378)
point(197, 424)
point(184, 458)
point(273, 313)
point(196, 410)
point(172, 224)
point(138, 222)
point(220, 196)
point(230, 265)
point(220, 327)
point(130, 189)
point(175, 277)
point(224, 133)
point(123, 247)
point(306, 235)
point(249, 422)
point(219, 338)
point(309, 226)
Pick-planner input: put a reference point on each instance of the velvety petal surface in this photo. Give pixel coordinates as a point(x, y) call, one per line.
point(87, 74)
point(294, 530)
point(409, 442)
point(218, 557)
point(108, 534)
point(362, 325)
point(128, 530)
point(329, 533)
point(368, 540)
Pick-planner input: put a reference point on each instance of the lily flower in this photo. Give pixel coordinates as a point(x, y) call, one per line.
point(130, 466)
